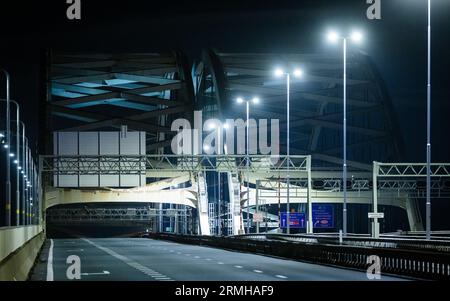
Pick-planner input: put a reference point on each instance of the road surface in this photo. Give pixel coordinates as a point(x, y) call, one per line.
point(139, 259)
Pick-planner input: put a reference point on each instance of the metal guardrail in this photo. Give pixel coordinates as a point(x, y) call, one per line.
point(393, 242)
point(422, 264)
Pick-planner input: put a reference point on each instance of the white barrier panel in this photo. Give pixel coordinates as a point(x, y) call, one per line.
point(99, 144)
point(12, 238)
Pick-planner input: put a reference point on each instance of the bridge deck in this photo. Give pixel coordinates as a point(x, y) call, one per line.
point(154, 260)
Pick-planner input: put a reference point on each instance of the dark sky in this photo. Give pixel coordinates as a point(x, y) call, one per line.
point(397, 43)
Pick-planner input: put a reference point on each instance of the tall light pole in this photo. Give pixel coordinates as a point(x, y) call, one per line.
point(334, 37)
point(254, 100)
point(7, 146)
point(16, 157)
point(18, 170)
point(428, 204)
point(280, 73)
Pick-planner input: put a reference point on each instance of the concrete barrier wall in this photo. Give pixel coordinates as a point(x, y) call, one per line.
point(19, 247)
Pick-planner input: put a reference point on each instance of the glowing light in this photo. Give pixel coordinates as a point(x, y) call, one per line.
point(239, 100)
point(298, 72)
point(333, 36)
point(356, 36)
point(279, 72)
point(255, 100)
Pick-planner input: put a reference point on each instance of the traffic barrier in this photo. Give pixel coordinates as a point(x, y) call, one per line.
point(423, 264)
point(19, 247)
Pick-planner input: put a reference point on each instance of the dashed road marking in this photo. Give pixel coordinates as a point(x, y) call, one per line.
point(281, 276)
point(219, 262)
point(50, 262)
point(257, 271)
point(238, 266)
point(101, 273)
point(147, 271)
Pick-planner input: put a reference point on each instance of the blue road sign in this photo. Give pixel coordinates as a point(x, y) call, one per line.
point(322, 215)
point(296, 220)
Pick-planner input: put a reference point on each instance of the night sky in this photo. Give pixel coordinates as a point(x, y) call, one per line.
point(397, 44)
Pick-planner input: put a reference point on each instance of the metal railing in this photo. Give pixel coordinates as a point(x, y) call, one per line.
point(421, 264)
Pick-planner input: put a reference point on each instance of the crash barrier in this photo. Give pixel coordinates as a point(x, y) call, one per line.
point(422, 264)
point(19, 247)
point(385, 242)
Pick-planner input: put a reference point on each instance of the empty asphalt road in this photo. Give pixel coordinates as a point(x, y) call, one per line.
point(112, 259)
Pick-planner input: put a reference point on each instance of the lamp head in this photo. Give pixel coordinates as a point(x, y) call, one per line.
point(333, 36)
point(298, 72)
point(356, 37)
point(279, 72)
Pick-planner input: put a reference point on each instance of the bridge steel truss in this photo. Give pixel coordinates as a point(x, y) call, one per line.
point(155, 166)
point(316, 103)
point(404, 177)
point(146, 92)
point(94, 92)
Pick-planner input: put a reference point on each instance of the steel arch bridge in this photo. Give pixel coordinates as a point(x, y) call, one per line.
point(146, 92)
point(93, 92)
point(316, 103)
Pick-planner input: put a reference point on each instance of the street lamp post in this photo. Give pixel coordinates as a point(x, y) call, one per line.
point(18, 170)
point(16, 157)
point(279, 73)
point(255, 100)
point(334, 37)
point(7, 146)
point(428, 204)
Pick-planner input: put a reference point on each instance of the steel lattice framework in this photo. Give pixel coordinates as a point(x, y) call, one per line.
point(93, 92)
point(316, 110)
point(85, 165)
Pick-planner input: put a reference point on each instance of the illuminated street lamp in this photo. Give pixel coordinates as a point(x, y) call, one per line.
point(355, 37)
point(296, 73)
point(428, 203)
point(254, 100)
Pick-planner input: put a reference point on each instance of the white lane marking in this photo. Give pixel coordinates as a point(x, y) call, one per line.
point(208, 259)
point(197, 257)
point(238, 266)
point(179, 253)
point(102, 273)
point(147, 271)
point(257, 271)
point(50, 262)
point(281, 276)
point(75, 250)
point(219, 262)
point(171, 251)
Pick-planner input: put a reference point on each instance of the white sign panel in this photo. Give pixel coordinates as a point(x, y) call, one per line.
point(100, 144)
point(376, 214)
point(258, 217)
